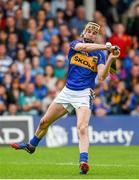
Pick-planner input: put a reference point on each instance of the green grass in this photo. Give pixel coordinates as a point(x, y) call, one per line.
point(62, 163)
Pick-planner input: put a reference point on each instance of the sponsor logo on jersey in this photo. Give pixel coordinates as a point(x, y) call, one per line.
point(89, 62)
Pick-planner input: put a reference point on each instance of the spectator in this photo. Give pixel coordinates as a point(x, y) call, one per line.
point(3, 99)
point(10, 8)
point(41, 90)
point(99, 108)
point(47, 8)
point(28, 102)
point(65, 51)
point(58, 4)
point(26, 77)
point(2, 20)
point(132, 24)
point(11, 28)
point(64, 32)
point(20, 22)
point(36, 69)
point(70, 10)
point(41, 19)
point(59, 17)
point(35, 6)
point(60, 71)
point(49, 30)
point(121, 39)
point(12, 45)
point(3, 36)
point(48, 57)
point(30, 32)
point(5, 61)
point(79, 20)
point(50, 79)
point(41, 43)
point(136, 111)
point(134, 77)
point(55, 44)
point(134, 100)
point(21, 60)
point(15, 90)
point(12, 110)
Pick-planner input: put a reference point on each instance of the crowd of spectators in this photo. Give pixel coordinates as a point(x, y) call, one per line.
point(35, 38)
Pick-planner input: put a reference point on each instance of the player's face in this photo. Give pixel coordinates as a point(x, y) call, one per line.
point(91, 34)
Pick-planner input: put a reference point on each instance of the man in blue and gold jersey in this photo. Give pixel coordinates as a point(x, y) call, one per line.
point(86, 61)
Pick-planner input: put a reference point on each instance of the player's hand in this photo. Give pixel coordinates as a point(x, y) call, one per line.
point(115, 52)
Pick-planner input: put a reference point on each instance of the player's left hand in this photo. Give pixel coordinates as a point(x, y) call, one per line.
point(115, 52)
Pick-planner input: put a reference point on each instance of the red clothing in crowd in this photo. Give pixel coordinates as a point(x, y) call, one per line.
point(124, 42)
point(2, 23)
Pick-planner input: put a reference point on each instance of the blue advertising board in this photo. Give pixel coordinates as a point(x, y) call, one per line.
point(108, 130)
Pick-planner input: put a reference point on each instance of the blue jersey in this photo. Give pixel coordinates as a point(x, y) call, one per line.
point(83, 67)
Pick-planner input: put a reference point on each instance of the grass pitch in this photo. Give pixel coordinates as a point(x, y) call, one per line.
point(62, 163)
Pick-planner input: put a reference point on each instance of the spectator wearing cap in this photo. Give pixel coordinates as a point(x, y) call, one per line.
point(60, 71)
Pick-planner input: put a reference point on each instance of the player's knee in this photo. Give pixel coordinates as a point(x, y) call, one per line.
point(82, 129)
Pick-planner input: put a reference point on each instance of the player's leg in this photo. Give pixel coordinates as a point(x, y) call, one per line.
point(83, 116)
point(54, 112)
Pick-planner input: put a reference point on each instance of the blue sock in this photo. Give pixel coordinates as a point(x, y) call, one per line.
point(84, 157)
point(35, 141)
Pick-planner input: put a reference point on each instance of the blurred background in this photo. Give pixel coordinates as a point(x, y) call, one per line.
point(34, 43)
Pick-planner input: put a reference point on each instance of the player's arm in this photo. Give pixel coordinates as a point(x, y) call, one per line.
point(92, 47)
point(104, 69)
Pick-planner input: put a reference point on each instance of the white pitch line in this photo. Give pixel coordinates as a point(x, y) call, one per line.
point(75, 164)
